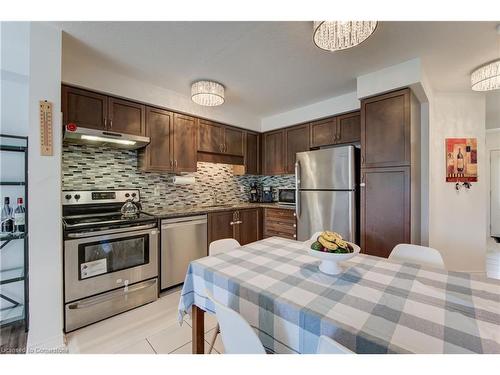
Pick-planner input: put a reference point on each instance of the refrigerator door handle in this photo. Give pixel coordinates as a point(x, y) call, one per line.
point(297, 189)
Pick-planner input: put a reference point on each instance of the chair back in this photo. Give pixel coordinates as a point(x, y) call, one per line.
point(238, 336)
point(222, 246)
point(328, 346)
point(422, 255)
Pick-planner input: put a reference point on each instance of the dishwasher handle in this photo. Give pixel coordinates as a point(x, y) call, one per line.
point(183, 223)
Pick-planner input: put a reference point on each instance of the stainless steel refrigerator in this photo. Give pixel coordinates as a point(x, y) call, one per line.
point(326, 192)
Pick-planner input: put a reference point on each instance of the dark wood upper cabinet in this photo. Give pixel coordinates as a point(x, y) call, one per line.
point(126, 117)
point(252, 153)
point(185, 140)
point(349, 128)
point(385, 209)
point(323, 132)
point(385, 130)
point(234, 141)
point(249, 227)
point(210, 136)
point(296, 140)
point(84, 108)
point(158, 155)
point(274, 152)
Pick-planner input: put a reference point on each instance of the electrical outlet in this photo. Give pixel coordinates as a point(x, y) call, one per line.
point(242, 189)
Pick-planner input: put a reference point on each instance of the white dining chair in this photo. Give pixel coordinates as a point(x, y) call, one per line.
point(220, 247)
point(422, 255)
point(327, 345)
point(238, 336)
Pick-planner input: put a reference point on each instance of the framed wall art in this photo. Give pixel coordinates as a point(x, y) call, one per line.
point(461, 159)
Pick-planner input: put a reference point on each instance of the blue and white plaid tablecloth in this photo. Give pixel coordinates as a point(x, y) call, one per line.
point(375, 306)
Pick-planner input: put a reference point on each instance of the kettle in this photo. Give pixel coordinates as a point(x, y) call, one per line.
point(130, 208)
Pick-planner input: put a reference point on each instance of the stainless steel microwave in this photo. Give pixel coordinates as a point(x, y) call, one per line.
point(286, 196)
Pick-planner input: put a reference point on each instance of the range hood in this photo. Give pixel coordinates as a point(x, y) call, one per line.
point(76, 134)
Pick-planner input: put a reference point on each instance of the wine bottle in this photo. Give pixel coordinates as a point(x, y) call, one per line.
point(19, 215)
point(7, 224)
point(460, 161)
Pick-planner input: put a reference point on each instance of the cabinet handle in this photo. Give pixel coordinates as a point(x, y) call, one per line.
point(175, 163)
point(362, 159)
point(171, 163)
point(221, 147)
point(110, 124)
point(231, 223)
point(105, 122)
point(362, 184)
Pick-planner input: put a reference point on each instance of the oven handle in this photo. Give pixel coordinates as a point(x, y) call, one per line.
point(109, 231)
point(98, 300)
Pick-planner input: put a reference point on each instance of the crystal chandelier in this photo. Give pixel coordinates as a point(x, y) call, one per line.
point(339, 35)
point(207, 93)
point(487, 77)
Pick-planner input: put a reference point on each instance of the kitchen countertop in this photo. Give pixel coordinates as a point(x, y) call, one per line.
point(166, 213)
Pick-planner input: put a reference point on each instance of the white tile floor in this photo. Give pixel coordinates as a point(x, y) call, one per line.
point(149, 329)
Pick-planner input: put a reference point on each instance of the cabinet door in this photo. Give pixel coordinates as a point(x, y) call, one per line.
point(210, 137)
point(158, 155)
point(252, 154)
point(385, 130)
point(219, 226)
point(233, 141)
point(323, 132)
point(274, 152)
point(126, 117)
point(385, 209)
point(297, 140)
point(249, 230)
point(185, 139)
point(349, 128)
point(84, 108)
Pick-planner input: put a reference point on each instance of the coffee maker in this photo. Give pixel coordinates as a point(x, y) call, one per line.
point(267, 194)
point(255, 192)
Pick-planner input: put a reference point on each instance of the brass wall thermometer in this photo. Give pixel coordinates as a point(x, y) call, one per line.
point(46, 140)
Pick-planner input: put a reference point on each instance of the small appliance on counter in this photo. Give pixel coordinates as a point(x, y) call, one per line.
point(267, 194)
point(255, 192)
point(286, 197)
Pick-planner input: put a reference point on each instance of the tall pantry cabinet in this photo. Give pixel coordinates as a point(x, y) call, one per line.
point(390, 171)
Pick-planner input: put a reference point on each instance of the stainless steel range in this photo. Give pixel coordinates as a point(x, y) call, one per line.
point(110, 255)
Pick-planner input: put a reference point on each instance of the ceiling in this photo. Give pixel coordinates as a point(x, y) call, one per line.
point(271, 67)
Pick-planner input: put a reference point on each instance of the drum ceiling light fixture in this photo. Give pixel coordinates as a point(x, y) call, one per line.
point(207, 93)
point(487, 77)
point(340, 35)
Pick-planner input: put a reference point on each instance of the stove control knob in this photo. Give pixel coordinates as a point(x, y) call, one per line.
point(127, 195)
point(67, 196)
point(77, 196)
point(134, 194)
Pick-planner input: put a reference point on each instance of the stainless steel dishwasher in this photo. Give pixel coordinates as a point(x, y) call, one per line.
point(183, 240)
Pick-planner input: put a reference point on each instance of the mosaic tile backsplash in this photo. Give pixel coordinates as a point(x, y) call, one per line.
point(89, 167)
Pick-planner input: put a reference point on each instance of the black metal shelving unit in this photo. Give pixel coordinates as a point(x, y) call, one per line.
point(16, 311)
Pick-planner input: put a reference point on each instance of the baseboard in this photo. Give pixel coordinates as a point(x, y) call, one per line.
point(53, 345)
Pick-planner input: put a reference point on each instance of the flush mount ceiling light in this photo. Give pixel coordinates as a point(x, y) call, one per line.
point(207, 93)
point(340, 35)
point(487, 77)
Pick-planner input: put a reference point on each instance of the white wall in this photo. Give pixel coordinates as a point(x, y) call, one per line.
point(85, 72)
point(457, 221)
point(332, 106)
point(33, 73)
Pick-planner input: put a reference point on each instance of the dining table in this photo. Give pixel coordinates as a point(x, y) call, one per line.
point(375, 305)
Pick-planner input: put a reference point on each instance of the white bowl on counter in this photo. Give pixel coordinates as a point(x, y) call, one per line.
point(330, 261)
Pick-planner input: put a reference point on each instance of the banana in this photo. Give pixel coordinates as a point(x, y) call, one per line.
point(329, 245)
point(331, 236)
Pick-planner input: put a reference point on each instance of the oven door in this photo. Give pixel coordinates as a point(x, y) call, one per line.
point(96, 262)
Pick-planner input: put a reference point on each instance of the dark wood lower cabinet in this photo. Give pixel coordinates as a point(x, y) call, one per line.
point(248, 229)
point(242, 225)
point(280, 222)
point(385, 209)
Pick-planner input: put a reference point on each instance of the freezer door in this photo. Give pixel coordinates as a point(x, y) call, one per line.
point(326, 169)
point(326, 210)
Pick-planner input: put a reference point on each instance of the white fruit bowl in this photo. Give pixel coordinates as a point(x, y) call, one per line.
point(330, 261)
